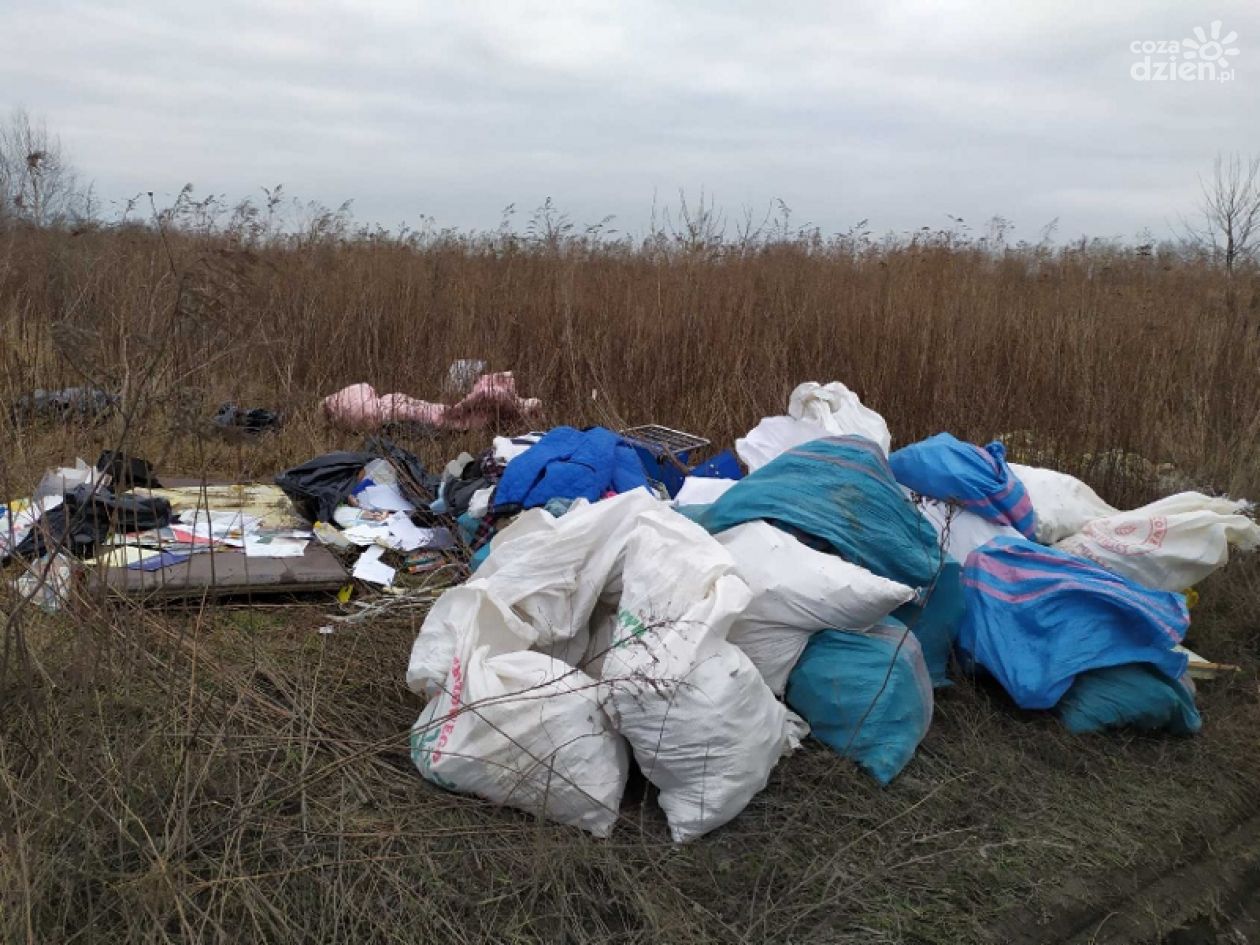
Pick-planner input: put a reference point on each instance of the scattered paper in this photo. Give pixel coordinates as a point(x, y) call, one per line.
point(408, 537)
point(274, 546)
point(125, 556)
point(367, 534)
point(384, 498)
point(370, 568)
point(216, 524)
point(163, 559)
point(21, 518)
point(347, 516)
point(47, 582)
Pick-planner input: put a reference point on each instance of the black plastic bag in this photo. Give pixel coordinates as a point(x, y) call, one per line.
point(88, 516)
point(417, 486)
point(252, 421)
point(127, 472)
point(321, 484)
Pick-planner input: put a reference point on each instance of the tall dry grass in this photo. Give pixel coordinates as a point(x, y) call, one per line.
point(226, 774)
point(1080, 349)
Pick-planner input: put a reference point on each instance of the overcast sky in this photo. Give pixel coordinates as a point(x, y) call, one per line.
point(901, 112)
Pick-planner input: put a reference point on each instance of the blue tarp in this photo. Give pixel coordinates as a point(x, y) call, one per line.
point(569, 464)
point(838, 494)
point(944, 467)
point(1037, 617)
point(1133, 696)
point(836, 687)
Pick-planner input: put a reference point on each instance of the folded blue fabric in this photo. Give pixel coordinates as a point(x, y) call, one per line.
point(569, 464)
point(1037, 617)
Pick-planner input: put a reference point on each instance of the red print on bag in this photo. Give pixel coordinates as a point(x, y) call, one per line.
point(1130, 537)
point(457, 689)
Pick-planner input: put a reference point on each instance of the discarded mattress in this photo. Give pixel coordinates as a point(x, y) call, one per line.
point(866, 695)
point(493, 399)
point(839, 494)
point(1037, 617)
point(943, 467)
point(1171, 544)
point(814, 411)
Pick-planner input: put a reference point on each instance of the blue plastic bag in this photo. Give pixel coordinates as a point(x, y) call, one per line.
point(1132, 696)
point(836, 687)
point(838, 494)
point(1037, 617)
point(725, 465)
point(944, 467)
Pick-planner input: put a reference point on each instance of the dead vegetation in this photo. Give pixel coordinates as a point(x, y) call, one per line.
point(227, 774)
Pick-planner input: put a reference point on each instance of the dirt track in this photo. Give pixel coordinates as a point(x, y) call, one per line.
point(1211, 897)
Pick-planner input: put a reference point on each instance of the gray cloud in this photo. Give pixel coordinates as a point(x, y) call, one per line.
point(899, 112)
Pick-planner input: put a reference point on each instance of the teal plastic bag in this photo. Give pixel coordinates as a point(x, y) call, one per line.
point(838, 494)
point(842, 686)
point(1131, 696)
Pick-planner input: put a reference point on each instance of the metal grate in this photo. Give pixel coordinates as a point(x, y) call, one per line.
point(661, 439)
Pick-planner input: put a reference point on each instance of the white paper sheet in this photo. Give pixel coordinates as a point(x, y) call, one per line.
point(367, 534)
point(274, 547)
point(384, 498)
point(370, 568)
point(219, 524)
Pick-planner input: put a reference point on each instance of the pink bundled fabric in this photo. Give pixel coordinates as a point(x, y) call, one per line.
point(493, 397)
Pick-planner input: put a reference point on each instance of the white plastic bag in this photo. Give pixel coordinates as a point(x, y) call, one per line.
point(702, 490)
point(774, 436)
point(456, 617)
point(1169, 545)
point(1063, 503)
point(552, 571)
point(838, 411)
point(57, 482)
point(521, 729)
point(814, 411)
point(705, 728)
point(967, 530)
point(797, 591)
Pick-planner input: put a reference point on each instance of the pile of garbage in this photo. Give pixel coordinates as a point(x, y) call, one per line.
point(629, 606)
point(632, 600)
point(117, 522)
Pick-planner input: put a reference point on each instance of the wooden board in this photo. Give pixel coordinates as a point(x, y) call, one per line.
point(226, 572)
point(229, 573)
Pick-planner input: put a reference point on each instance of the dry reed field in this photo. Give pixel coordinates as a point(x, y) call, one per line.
point(224, 773)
